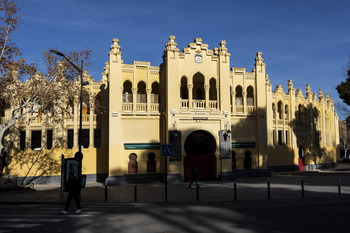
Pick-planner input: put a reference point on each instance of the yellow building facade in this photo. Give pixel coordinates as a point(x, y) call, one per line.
point(224, 121)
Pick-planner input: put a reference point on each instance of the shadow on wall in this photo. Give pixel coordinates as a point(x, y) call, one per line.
point(37, 164)
point(306, 126)
point(102, 158)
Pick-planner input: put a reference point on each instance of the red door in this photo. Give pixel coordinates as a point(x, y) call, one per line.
point(204, 163)
point(301, 164)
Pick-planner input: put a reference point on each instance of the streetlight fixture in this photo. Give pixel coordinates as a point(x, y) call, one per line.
point(79, 155)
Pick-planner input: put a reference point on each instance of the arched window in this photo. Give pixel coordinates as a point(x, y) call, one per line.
point(286, 112)
point(280, 110)
point(141, 92)
point(212, 89)
point(127, 93)
point(155, 92)
point(151, 163)
point(198, 91)
point(132, 165)
point(183, 88)
point(250, 96)
point(2, 108)
point(239, 95)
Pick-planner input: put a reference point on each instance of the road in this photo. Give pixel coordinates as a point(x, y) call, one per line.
point(300, 215)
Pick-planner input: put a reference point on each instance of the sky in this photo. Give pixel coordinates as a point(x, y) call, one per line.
point(303, 40)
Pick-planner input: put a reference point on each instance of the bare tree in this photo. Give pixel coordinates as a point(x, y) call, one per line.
point(344, 144)
point(9, 62)
point(26, 91)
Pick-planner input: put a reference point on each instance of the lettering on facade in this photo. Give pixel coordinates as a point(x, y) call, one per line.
point(200, 118)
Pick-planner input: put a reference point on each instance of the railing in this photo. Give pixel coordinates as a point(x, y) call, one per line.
point(141, 107)
point(70, 118)
point(213, 104)
point(36, 119)
point(154, 107)
point(127, 107)
point(85, 118)
point(251, 110)
point(239, 109)
point(198, 104)
point(184, 103)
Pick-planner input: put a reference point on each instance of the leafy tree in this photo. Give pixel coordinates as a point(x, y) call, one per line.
point(344, 87)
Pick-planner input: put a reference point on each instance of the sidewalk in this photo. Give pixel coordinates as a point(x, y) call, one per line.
point(282, 186)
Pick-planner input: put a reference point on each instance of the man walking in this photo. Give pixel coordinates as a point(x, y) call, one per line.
point(194, 177)
point(73, 188)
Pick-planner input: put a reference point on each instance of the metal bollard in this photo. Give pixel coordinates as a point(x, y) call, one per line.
point(339, 188)
point(197, 192)
point(268, 190)
point(302, 188)
point(235, 191)
point(135, 193)
point(106, 193)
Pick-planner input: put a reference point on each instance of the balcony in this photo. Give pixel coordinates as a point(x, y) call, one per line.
point(198, 104)
point(141, 107)
point(127, 107)
point(251, 110)
point(184, 103)
point(213, 104)
point(154, 107)
point(239, 109)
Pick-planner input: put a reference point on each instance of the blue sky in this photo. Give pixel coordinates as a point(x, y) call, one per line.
point(306, 41)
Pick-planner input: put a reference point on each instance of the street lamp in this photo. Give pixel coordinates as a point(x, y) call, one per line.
point(82, 83)
point(79, 155)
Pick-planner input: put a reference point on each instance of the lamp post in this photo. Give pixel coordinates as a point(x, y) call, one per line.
point(79, 155)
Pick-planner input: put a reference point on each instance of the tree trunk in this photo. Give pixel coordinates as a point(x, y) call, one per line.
point(2, 135)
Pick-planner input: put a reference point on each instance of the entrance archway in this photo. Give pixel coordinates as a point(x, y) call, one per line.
point(200, 148)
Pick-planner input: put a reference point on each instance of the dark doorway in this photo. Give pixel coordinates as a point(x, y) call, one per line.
point(247, 160)
point(200, 147)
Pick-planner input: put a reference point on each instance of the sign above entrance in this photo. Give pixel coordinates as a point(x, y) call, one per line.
point(141, 146)
point(200, 118)
point(243, 144)
point(167, 150)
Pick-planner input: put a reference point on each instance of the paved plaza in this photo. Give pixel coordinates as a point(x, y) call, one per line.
point(322, 207)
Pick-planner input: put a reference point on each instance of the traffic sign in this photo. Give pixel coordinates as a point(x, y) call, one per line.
point(167, 150)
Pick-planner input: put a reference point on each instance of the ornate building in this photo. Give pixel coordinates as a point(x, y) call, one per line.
point(224, 121)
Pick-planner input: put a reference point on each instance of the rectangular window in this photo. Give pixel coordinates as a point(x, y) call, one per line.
point(22, 142)
point(287, 138)
point(70, 137)
point(273, 137)
point(280, 137)
point(85, 138)
point(49, 139)
point(97, 138)
point(36, 140)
